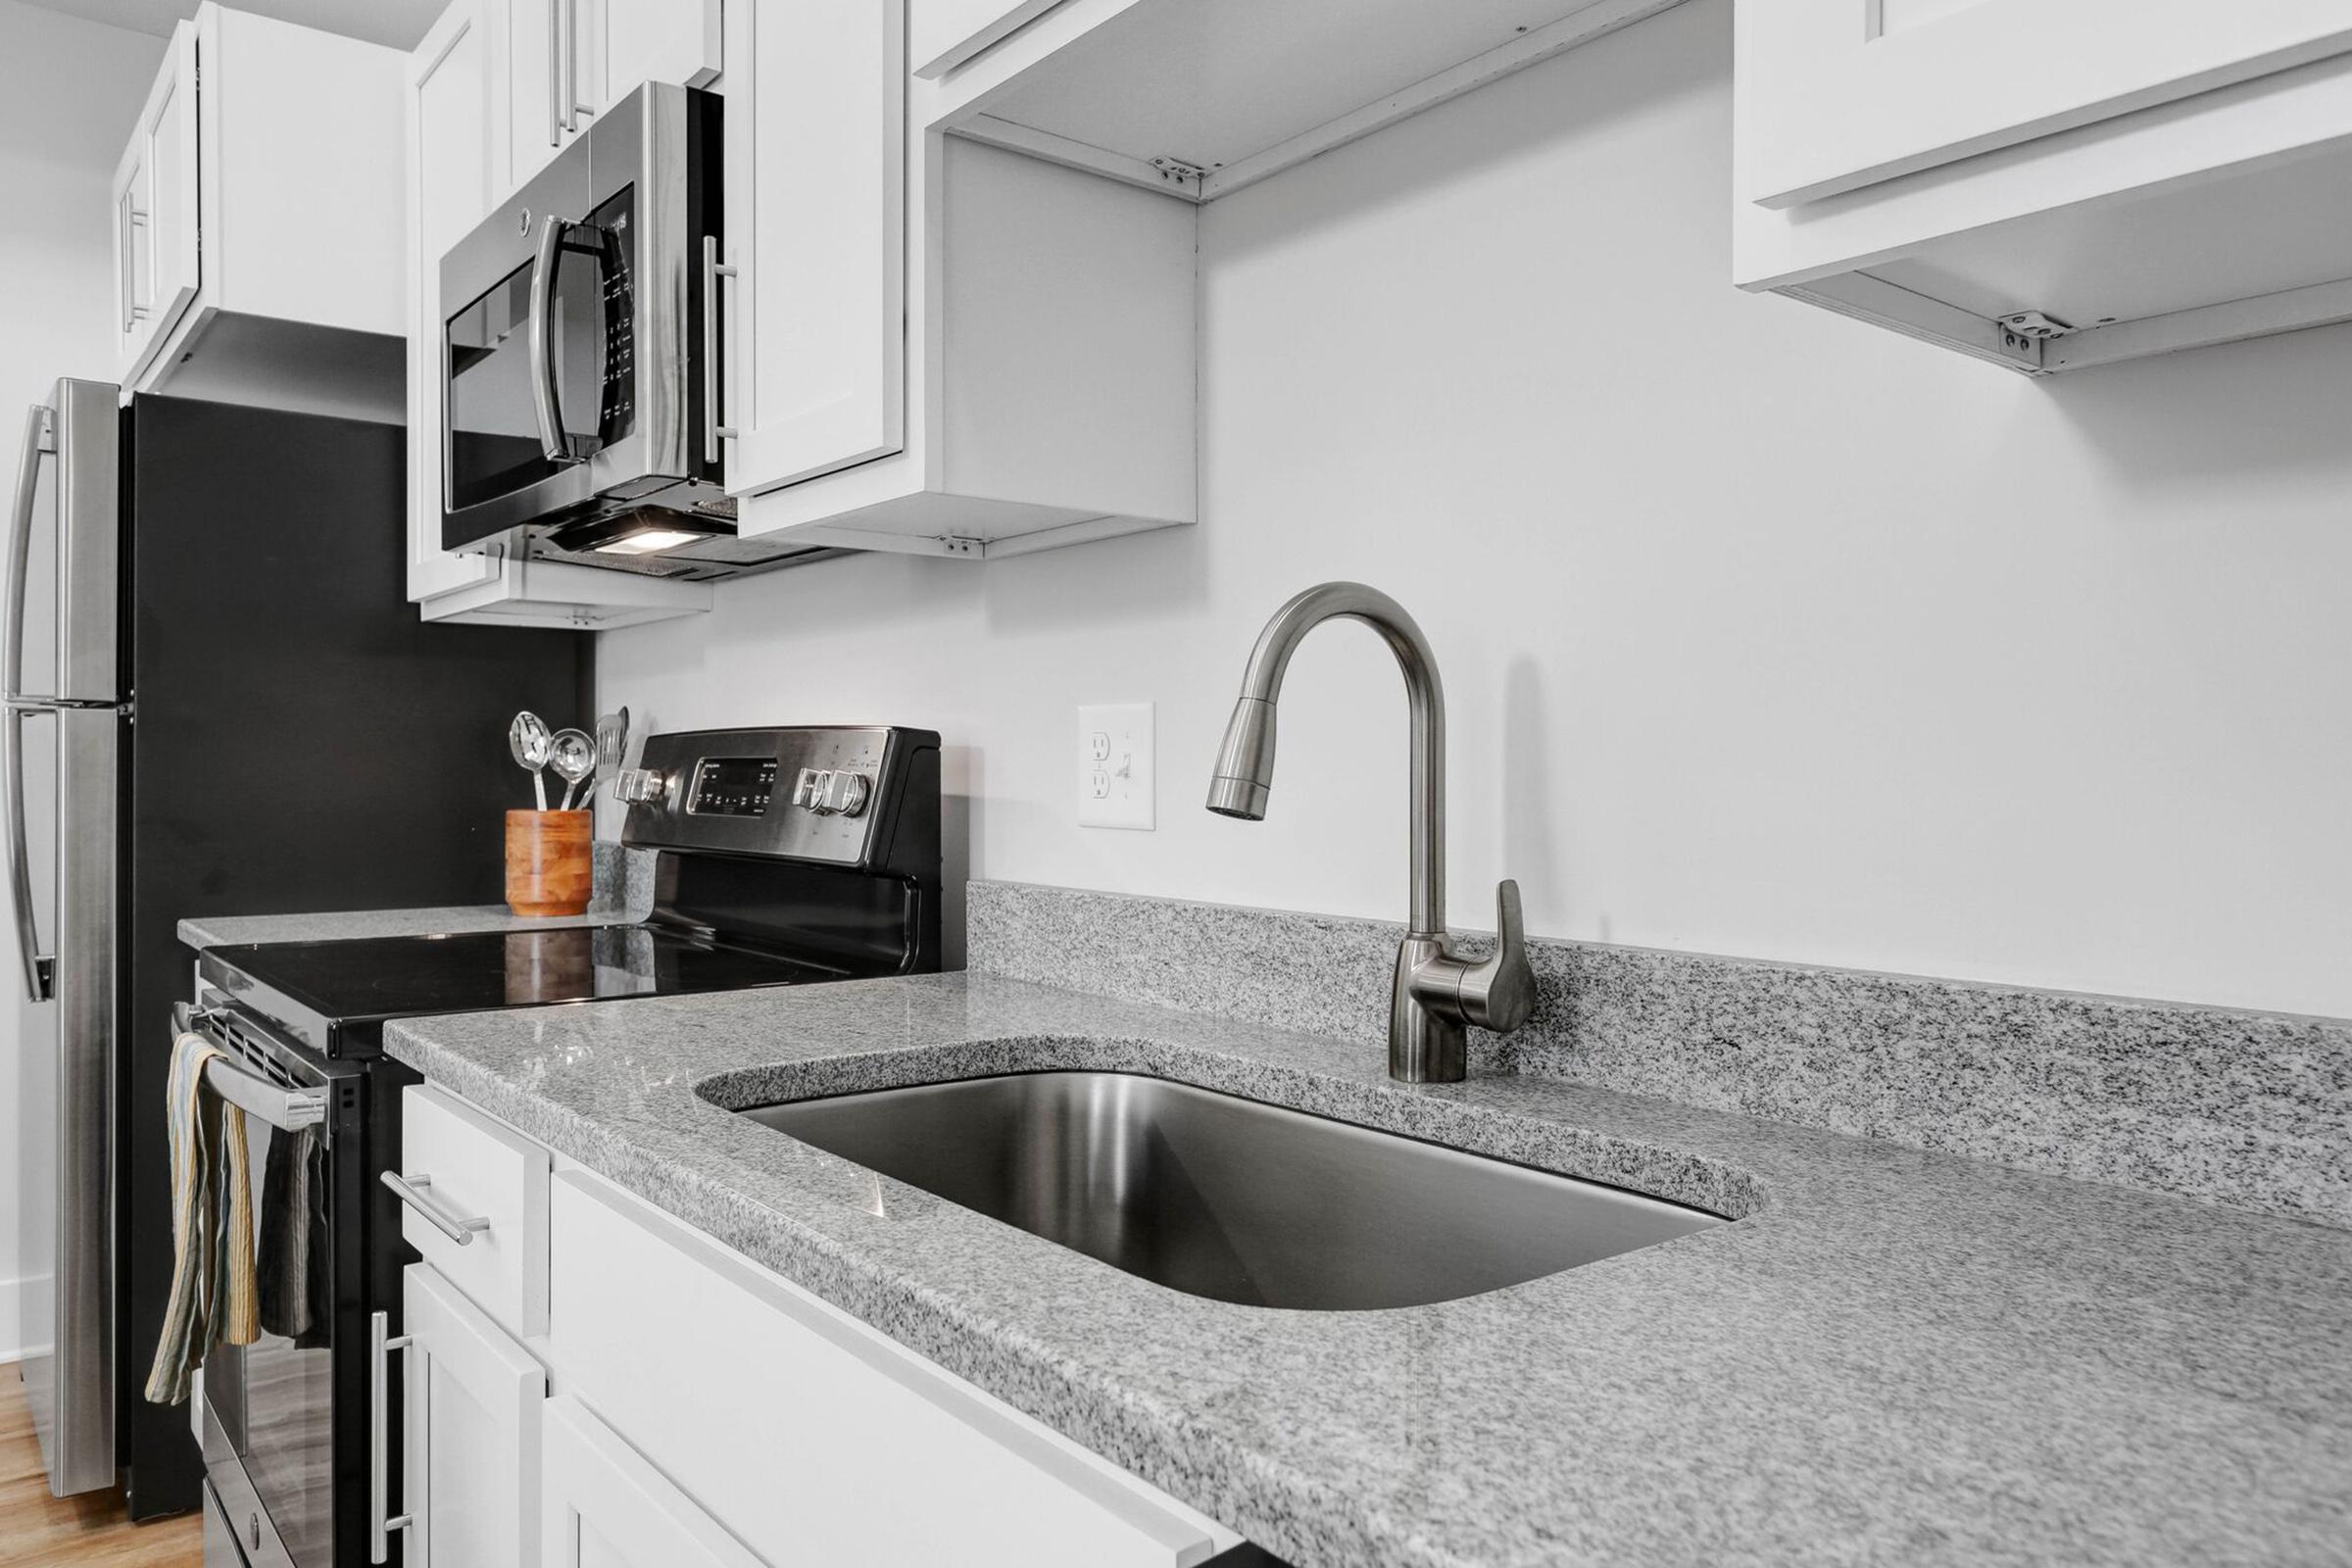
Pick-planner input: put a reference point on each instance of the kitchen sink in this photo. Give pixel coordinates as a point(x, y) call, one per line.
point(1229, 1198)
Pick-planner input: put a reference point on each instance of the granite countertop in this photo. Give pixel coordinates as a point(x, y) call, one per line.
point(237, 930)
point(623, 893)
point(1893, 1356)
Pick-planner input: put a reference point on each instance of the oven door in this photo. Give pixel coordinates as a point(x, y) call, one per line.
point(285, 1420)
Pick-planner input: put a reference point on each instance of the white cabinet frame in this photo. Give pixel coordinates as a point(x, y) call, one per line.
point(1838, 94)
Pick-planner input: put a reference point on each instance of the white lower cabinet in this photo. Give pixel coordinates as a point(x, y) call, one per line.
point(474, 1433)
point(704, 1411)
point(473, 1405)
point(603, 1506)
point(810, 1436)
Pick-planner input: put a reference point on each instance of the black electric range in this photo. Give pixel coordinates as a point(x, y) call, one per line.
point(335, 997)
point(781, 857)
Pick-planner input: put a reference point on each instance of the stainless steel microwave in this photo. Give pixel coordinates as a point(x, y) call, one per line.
point(580, 357)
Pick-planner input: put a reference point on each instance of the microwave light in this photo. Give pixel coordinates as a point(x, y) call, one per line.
point(648, 541)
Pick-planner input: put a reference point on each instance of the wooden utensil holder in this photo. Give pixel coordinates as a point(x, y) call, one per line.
point(551, 864)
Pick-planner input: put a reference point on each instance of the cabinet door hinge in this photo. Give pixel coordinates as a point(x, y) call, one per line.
point(2022, 329)
point(1178, 171)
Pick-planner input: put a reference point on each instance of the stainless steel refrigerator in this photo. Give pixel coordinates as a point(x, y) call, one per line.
point(219, 701)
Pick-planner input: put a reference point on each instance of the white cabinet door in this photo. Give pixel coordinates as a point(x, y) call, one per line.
point(456, 141)
point(157, 243)
point(816, 192)
point(1838, 94)
point(531, 56)
point(943, 35)
point(603, 1506)
point(568, 59)
point(471, 1403)
point(618, 45)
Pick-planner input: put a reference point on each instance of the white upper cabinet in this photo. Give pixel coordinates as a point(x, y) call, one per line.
point(932, 346)
point(157, 256)
point(2049, 188)
point(1055, 155)
point(258, 247)
point(457, 144)
point(816, 182)
point(453, 142)
point(567, 60)
point(1838, 94)
point(945, 34)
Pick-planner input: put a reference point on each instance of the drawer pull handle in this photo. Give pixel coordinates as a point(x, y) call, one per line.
point(409, 1190)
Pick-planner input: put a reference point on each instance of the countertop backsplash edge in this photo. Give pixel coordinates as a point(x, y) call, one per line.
point(2245, 1108)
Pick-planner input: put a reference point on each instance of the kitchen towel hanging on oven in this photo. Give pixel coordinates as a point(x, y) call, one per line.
point(214, 1299)
point(290, 1251)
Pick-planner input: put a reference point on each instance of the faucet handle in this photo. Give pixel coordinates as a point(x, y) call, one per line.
point(1500, 993)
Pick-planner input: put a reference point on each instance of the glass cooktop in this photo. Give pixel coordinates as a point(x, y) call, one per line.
point(370, 979)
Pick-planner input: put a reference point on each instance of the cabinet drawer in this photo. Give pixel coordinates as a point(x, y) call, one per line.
point(806, 1433)
point(463, 1168)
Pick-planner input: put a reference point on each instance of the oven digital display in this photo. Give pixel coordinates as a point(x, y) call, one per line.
point(732, 786)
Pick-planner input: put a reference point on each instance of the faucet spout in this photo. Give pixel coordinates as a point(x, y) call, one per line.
point(1437, 993)
point(1244, 779)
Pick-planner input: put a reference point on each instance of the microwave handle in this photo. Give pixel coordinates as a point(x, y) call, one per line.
point(547, 394)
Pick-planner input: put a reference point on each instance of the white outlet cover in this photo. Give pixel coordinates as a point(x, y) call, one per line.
point(1115, 755)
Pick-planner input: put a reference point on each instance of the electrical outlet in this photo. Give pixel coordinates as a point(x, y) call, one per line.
point(1114, 766)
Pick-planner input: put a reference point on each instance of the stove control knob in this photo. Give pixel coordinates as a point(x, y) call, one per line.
point(846, 793)
point(808, 789)
point(635, 786)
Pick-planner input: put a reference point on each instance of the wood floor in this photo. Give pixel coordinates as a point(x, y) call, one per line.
point(39, 1530)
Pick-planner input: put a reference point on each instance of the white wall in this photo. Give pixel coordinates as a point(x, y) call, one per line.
point(1765, 632)
point(68, 92)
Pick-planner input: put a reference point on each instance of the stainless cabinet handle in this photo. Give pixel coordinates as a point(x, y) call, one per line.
point(132, 309)
point(713, 431)
point(557, 91)
point(381, 1521)
point(410, 1191)
point(574, 109)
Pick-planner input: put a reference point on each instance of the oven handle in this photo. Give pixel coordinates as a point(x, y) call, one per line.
point(547, 393)
point(409, 1190)
point(286, 1109)
point(382, 1520)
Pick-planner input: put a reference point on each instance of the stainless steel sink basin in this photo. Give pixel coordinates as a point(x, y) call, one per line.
point(1229, 1198)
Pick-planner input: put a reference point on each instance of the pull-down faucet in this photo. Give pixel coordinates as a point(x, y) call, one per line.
point(1437, 993)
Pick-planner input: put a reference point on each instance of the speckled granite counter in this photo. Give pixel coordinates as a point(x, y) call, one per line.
point(623, 892)
point(1894, 1357)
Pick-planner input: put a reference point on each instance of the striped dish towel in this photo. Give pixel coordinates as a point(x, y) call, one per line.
point(213, 1296)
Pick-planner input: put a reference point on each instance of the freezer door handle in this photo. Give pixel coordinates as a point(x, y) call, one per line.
point(40, 968)
point(40, 435)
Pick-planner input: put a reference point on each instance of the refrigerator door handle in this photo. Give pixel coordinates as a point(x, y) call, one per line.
point(40, 968)
point(40, 435)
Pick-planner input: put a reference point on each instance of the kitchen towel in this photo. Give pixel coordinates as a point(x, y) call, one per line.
point(213, 1296)
point(291, 1247)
